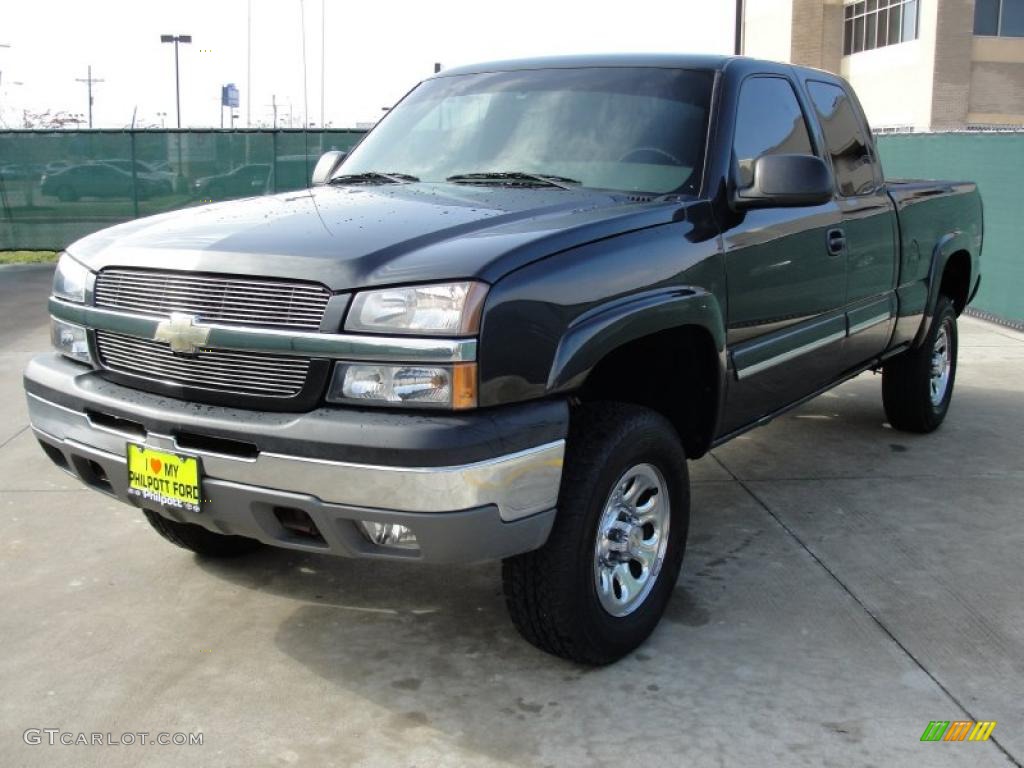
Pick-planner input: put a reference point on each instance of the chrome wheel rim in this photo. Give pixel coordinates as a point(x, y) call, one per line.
point(632, 537)
point(942, 360)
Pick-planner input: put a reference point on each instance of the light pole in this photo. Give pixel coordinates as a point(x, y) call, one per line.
point(177, 80)
point(738, 39)
point(161, 115)
point(3, 45)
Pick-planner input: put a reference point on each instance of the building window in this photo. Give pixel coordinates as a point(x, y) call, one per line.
point(870, 24)
point(999, 18)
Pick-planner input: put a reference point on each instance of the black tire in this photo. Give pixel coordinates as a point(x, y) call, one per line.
point(66, 194)
point(197, 539)
point(552, 593)
point(907, 380)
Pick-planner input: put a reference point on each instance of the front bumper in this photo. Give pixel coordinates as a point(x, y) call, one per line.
point(471, 487)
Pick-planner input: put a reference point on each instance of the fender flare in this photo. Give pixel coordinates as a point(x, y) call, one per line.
point(947, 245)
point(602, 330)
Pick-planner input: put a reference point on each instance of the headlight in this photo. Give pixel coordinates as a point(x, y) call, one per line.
point(443, 309)
point(70, 280)
point(426, 386)
point(70, 340)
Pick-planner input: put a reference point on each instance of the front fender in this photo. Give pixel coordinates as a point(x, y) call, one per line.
point(595, 334)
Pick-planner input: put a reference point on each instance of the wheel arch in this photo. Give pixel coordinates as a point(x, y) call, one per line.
point(953, 273)
point(672, 340)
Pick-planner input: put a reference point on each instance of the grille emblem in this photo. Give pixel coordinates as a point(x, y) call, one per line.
point(182, 333)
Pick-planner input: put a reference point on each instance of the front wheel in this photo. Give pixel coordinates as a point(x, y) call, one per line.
point(917, 386)
point(598, 587)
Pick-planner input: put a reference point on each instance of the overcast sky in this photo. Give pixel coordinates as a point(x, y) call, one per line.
point(375, 50)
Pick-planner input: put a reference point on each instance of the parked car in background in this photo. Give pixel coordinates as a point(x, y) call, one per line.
point(243, 181)
point(142, 169)
point(500, 327)
point(288, 173)
point(101, 180)
point(18, 172)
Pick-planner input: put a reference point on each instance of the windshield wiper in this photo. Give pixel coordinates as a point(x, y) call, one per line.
point(546, 179)
point(371, 177)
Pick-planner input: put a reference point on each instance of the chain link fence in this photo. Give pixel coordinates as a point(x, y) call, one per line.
point(56, 186)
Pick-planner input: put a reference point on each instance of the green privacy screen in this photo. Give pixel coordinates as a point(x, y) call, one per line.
point(56, 186)
point(996, 162)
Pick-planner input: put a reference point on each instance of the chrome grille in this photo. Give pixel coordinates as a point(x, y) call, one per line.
point(214, 299)
point(242, 373)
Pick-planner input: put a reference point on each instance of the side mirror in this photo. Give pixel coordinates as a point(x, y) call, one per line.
point(786, 181)
point(326, 166)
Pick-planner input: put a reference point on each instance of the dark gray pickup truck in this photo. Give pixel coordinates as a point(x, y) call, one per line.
point(501, 325)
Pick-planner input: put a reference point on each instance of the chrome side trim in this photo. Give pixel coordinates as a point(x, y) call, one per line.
point(771, 362)
point(397, 349)
point(871, 322)
point(520, 484)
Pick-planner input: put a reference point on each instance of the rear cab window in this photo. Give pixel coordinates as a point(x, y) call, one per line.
point(846, 139)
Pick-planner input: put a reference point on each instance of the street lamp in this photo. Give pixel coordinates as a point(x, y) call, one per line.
point(177, 81)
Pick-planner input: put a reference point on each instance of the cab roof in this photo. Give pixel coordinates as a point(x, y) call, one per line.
point(664, 60)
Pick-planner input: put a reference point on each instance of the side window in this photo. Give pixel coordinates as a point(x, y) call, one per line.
point(769, 121)
point(846, 139)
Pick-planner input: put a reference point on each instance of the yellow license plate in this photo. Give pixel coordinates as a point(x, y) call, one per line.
point(166, 479)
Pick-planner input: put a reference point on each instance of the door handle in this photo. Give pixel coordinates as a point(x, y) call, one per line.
point(836, 241)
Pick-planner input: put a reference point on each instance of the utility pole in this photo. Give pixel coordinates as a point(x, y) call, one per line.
point(177, 80)
point(89, 80)
point(273, 105)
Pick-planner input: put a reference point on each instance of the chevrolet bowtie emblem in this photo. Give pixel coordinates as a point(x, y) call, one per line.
point(182, 333)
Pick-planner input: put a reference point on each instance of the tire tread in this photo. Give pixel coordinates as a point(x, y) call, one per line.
point(546, 616)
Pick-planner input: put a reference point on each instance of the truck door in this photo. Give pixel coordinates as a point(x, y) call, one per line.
point(786, 274)
point(869, 227)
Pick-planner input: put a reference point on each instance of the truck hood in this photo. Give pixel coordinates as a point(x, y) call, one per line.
point(355, 236)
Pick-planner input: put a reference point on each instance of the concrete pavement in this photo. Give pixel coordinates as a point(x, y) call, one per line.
point(845, 584)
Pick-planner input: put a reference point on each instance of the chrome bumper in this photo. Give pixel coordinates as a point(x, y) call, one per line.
point(474, 511)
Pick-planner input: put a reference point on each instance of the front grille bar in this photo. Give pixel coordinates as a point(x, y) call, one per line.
point(337, 346)
point(228, 300)
point(262, 375)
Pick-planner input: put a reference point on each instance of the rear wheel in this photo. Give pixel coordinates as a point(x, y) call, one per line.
point(598, 587)
point(200, 540)
point(66, 194)
point(917, 386)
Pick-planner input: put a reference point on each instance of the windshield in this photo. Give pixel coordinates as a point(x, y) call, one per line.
point(635, 129)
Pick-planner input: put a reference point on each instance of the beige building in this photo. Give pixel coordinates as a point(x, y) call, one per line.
point(915, 64)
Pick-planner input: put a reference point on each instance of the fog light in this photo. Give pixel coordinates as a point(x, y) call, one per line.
point(389, 535)
point(70, 340)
